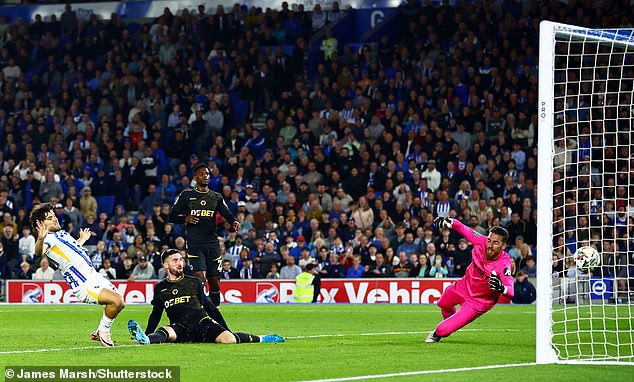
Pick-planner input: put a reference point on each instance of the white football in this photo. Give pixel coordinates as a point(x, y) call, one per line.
point(587, 258)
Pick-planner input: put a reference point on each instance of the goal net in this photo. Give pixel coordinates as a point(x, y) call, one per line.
point(586, 194)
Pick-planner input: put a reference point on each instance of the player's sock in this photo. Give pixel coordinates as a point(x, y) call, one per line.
point(158, 337)
point(214, 295)
point(105, 324)
point(244, 338)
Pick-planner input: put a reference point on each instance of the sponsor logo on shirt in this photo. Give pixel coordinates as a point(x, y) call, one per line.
point(202, 213)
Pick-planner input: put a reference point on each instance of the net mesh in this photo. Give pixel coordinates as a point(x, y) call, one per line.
point(593, 193)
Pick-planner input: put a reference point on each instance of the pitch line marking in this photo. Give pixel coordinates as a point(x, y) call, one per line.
point(422, 372)
point(289, 337)
point(388, 333)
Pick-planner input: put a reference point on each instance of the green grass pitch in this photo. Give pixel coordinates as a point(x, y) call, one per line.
point(349, 341)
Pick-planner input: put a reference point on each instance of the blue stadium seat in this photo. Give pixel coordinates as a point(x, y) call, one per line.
point(105, 204)
point(133, 28)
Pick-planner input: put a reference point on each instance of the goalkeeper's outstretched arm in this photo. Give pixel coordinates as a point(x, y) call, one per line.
point(465, 231)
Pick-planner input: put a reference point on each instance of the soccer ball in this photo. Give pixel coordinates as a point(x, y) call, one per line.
point(587, 258)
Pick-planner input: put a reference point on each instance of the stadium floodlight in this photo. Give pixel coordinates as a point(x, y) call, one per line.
point(585, 194)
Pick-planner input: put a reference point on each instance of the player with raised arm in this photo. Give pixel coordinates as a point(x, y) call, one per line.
point(485, 280)
point(193, 318)
point(67, 254)
point(196, 208)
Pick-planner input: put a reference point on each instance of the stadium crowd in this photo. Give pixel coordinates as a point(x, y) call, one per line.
point(344, 164)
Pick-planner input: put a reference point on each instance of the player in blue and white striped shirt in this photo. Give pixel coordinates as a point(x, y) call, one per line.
point(67, 254)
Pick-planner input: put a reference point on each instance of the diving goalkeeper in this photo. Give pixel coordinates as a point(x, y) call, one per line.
point(193, 318)
point(486, 278)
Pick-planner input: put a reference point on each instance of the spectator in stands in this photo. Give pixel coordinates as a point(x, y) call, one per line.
point(438, 268)
point(26, 244)
point(319, 18)
point(356, 270)
point(44, 272)
point(530, 269)
point(404, 267)
point(273, 273)
point(87, 203)
point(379, 268)
point(305, 258)
point(228, 272)
point(50, 188)
point(363, 215)
point(423, 266)
point(11, 250)
point(248, 271)
point(290, 270)
point(25, 272)
point(143, 270)
point(107, 271)
point(408, 246)
point(525, 292)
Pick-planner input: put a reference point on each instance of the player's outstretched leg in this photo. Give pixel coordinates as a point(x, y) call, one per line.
point(228, 337)
point(114, 304)
point(448, 301)
point(161, 335)
point(461, 318)
point(447, 304)
point(137, 333)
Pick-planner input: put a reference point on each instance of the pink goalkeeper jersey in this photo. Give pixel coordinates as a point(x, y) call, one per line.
point(476, 278)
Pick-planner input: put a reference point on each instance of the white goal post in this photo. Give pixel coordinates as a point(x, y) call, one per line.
point(585, 194)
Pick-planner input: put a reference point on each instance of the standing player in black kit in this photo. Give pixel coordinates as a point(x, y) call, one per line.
point(196, 208)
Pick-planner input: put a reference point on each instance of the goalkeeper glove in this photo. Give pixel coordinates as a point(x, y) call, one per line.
point(441, 223)
point(495, 283)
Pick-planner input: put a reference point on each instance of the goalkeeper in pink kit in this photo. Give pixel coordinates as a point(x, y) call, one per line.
point(486, 278)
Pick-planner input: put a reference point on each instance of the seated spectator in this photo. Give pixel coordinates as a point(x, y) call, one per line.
point(248, 272)
point(404, 267)
point(305, 258)
point(44, 272)
point(99, 255)
point(438, 269)
point(228, 272)
point(107, 271)
point(356, 270)
point(408, 247)
point(124, 271)
point(462, 257)
point(273, 273)
point(26, 244)
point(423, 266)
point(7, 220)
point(334, 270)
point(290, 270)
point(296, 251)
point(87, 203)
point(379, 268)
point(143, 270)
point(530, 268)
point(25, 272)
point(525, 292)
point(413, 259)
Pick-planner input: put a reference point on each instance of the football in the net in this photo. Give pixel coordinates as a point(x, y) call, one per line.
point(587, 258)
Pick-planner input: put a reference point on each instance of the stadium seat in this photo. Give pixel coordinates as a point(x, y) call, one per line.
point(105, 204)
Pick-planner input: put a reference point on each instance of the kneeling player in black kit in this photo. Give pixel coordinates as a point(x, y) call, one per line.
point(193, 318)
